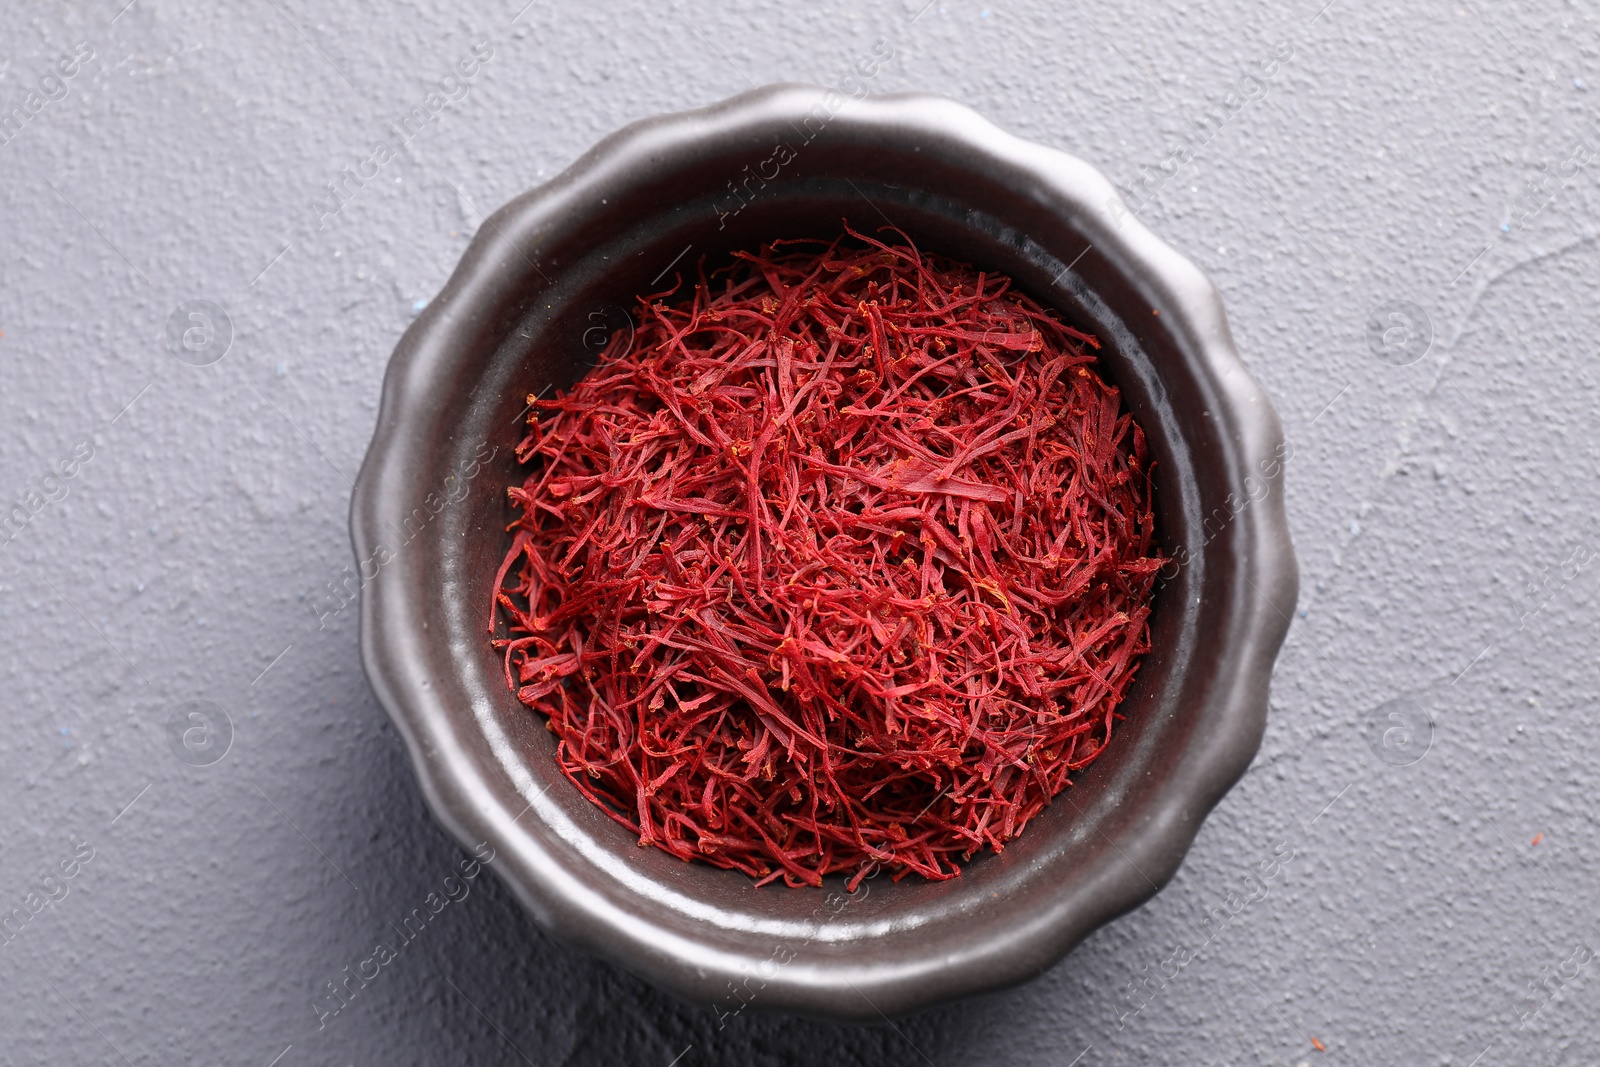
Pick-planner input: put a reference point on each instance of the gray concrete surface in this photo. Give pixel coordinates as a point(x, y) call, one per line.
point(1429, 766)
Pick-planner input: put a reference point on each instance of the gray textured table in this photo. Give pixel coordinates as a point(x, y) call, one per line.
point(1399, 208)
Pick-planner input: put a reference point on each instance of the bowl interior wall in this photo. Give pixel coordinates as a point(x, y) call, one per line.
point(577, 283)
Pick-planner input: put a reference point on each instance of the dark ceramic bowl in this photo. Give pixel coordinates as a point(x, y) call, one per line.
point(540, 289)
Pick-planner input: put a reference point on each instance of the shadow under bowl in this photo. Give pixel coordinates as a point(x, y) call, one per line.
point(537, 294)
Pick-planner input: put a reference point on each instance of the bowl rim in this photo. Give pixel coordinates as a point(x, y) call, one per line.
point(462, 790)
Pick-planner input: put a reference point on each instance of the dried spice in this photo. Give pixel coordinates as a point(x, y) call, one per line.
point(843, 565)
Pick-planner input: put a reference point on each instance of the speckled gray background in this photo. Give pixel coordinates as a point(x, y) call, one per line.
point(1429, 761)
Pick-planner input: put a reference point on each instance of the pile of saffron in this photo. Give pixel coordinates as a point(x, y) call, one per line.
point(842, 563)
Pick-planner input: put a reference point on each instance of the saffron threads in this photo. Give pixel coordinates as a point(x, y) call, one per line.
point(843, 566)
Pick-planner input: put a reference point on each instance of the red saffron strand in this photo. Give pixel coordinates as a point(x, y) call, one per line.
point(844, 565)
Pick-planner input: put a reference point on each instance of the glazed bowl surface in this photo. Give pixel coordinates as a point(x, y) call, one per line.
point(545, 284)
